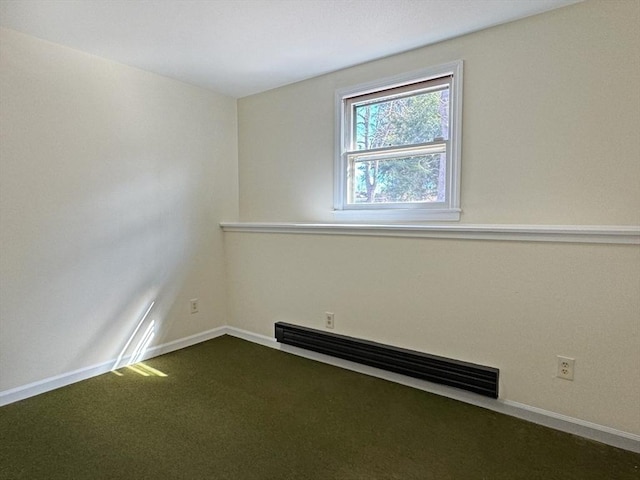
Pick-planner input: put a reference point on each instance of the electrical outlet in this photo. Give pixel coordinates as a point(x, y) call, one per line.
point(566, 367)
point(328, 320)
point(193, 304)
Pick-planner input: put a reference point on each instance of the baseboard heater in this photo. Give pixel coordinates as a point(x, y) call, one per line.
point(454, 373)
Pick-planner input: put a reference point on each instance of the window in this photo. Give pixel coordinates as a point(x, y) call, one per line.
point(398, 147)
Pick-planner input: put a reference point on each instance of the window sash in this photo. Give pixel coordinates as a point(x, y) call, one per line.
point(439, 146)
point(382, 96)
point(388, 154)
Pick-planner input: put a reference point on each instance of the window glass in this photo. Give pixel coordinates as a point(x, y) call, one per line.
point(404, 179)
point(402, 121)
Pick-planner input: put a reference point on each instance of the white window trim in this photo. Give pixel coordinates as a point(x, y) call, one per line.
point(426, 212)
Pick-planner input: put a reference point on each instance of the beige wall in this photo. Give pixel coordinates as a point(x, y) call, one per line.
point(113, 181)
point(550, 124)
point(550, 136)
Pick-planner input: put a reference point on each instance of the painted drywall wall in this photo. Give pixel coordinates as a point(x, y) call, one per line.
point(551, 110)
point(550, 116)
point(113, 181)
point(510, 305)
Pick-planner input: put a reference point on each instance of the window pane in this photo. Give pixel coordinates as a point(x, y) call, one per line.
point(417, 178)
point(402, 121)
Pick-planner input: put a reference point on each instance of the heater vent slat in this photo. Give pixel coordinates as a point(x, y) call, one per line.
point(455, 373)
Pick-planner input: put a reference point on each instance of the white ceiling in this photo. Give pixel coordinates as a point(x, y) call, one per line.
point(241, 47)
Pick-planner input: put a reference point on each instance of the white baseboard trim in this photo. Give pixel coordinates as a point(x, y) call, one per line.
point(254, 337)
point(185, 342)
point(41, 386)
point(576, 426)
point(564, 423)
point(52, 383)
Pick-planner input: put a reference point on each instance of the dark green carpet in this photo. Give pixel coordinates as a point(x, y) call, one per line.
point(229, 409)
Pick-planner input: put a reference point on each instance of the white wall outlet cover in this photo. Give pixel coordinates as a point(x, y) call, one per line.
point(566, 366)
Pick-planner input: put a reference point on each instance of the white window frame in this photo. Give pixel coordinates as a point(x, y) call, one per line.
point(449, 210)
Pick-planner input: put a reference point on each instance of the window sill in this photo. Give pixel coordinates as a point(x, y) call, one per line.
point(398, 215)
point(604, 234)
